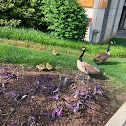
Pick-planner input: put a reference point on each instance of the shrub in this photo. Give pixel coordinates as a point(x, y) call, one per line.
point(27, 13)
point(10, 23)
point(65, 18)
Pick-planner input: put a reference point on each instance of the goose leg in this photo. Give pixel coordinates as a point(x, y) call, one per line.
point(104, 62)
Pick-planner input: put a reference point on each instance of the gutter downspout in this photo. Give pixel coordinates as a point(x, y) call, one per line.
point(95, 31)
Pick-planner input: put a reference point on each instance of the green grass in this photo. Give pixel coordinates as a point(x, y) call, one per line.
point(115, 67)
point(42, 45)
point(33, 57)
point(32, 35)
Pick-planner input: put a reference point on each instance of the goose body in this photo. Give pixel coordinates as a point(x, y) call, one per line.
point(40, 67)
point(48, 66)
point(55, 52)
point(103, 56)
point(86, 67)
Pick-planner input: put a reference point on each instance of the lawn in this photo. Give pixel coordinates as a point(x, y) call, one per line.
point(32, 36)
point(38, 96)
point(114, 67)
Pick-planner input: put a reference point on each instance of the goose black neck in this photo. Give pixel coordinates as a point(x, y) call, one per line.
point(80, 58)
point(109, 47)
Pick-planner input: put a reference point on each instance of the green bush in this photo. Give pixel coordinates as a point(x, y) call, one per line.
point(65, 18)
point(27, 13)
point(9, 23)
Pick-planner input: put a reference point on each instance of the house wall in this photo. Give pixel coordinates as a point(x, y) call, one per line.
point(124, 26)
point(113, 19)
point(97, 14)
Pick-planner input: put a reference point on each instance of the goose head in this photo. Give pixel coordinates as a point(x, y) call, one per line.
point(112, 42)
point(83, 48)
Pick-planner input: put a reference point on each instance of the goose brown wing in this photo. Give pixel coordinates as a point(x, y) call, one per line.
point(101, 56)
point(91, 69)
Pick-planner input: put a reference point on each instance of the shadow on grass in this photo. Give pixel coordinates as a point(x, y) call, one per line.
point(46, 70)
point(99, 76)
point(108, 63)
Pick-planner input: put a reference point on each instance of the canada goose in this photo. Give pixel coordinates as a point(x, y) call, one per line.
point(40, 67)
point(49, 67)
point(103, 56)
point(86, 67)
point(55, 52)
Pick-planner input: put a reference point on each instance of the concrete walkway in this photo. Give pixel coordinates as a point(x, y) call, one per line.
point(119, 118)
point(121, 33)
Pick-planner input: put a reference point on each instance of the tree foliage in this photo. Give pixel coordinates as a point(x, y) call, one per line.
point(24, 12)
point(65, 18)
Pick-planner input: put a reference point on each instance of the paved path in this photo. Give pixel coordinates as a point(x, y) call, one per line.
point(119, 118)
point(121, 33)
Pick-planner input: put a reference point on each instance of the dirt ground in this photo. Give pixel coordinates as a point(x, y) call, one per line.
point(21, 105)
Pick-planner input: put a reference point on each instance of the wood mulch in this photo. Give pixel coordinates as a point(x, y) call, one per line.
point(31, 110)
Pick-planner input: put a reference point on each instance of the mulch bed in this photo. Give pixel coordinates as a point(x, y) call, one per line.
point(34, 109)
